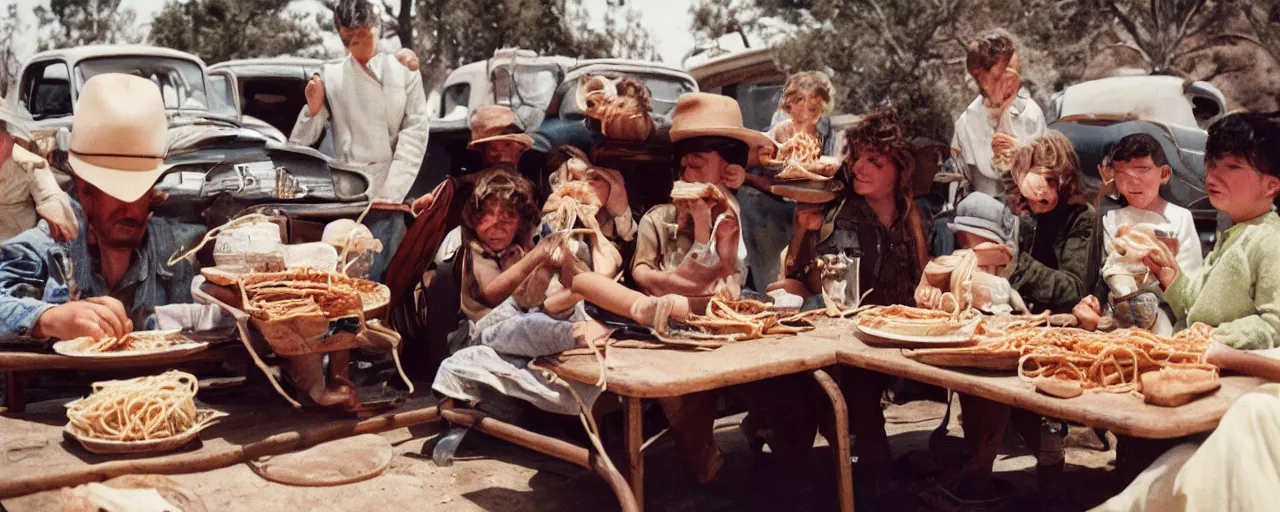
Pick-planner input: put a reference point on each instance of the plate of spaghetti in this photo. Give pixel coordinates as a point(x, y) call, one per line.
point(133, 345)
point(146, 414)
point(1066, 362)
point(907, 327)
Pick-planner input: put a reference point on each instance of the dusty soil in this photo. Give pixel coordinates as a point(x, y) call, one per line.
point(492, 475)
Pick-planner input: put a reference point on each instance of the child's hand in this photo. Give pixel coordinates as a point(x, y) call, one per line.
point(1163, 267)
point(700, 211)
point(809, 218)
point(1088, 312)
point(727, 244)
point(928, 296)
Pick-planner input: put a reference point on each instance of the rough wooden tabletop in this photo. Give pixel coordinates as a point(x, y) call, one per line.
point(656, 373)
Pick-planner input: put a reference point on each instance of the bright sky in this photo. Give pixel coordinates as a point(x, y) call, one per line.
point(666, 20)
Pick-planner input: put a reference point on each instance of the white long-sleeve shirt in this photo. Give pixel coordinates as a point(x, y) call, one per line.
point(379, 122)
point(23, 189)
point(971, 144)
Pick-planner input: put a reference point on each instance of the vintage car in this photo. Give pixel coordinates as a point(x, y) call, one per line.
point(220, 167)
point(541, 91)
point(269, 93)
point(1098, 113)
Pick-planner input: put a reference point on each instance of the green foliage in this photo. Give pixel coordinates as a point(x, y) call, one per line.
point(69, 23)
point(220, 30)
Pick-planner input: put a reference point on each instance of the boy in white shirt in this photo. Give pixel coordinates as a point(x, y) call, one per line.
point(1137, 169)
point(995, 65)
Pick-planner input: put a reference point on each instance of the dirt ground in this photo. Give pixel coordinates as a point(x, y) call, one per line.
point(492, 475)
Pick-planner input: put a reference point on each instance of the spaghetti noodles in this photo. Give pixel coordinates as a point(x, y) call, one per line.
point(739, 320)
point(141, 341)
point(1111, 362)
point(141, 409)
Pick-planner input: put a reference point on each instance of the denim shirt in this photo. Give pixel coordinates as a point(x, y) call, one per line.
point(29, 285)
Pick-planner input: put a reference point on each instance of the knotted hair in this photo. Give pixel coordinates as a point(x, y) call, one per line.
point(508, 190)
point(1052, 156)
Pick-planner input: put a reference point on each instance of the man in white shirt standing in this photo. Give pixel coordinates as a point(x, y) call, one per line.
point(1003, 106)
point(377, 110)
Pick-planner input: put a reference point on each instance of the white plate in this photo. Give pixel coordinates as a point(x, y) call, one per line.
point(75, 348)
point(881, 338)
point(205, 418)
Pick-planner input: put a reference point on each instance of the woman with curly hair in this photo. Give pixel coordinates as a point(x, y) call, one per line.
point(1057, 264)
point(877, 222)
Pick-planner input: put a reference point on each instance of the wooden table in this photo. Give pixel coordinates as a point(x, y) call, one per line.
point(1123, 414)
point(637, 374)
point(18, 366)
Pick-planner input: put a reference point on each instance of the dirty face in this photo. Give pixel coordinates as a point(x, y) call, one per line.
point(1139, 179)
point(360, 41)
point(999, 83)
point(874, 174)
point(600, 185)
point(1041, 190)
point(497, 226)
point(967, 240)
point(116, 223)
point(501, 152)
point(703, 167)
point(1239, 189)
point(805, 112)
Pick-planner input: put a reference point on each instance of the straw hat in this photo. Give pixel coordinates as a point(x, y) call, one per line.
point(118, 135)
point(15, 119)
point(495, 122)
point(700, 114)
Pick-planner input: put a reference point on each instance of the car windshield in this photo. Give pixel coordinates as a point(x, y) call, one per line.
point(222, 97)
point(665, 91)
point(181, 81)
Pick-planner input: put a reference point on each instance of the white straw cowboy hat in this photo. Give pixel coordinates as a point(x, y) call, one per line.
point(700, 114)
point(118, 135)
point(491, 123)
point(15, 120)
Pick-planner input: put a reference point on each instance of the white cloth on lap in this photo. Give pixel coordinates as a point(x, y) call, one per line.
point(1237, 468)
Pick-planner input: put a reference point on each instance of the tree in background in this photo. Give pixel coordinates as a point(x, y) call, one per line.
point(220, 30)
point(68, 23)
point(8, 57)
point(911, 54)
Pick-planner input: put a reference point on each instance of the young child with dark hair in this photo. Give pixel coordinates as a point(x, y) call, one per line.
point(1136, 168)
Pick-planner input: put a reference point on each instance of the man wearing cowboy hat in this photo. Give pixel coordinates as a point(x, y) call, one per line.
point(113, 275)
point(27, 186)
point(498, 138)
point(377, 110)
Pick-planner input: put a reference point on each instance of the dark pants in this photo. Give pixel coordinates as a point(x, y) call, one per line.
point(781, 409)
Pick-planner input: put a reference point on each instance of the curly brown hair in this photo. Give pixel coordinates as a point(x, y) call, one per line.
point(880, 132)
point(1056, 157)
point(500, 186)
point(804, 83)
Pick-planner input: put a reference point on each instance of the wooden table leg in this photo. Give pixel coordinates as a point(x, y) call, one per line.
point(634, 441)
point(844, 462)
point(16, 393)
